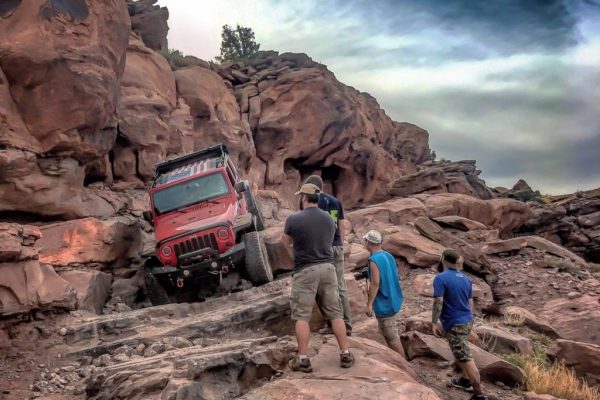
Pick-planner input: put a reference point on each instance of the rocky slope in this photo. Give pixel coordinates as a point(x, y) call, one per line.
point(88, 106)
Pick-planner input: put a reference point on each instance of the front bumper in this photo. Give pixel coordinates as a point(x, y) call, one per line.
point(230, 258)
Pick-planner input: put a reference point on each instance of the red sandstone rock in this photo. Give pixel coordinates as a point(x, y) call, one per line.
point(29, 285)
point(89, 241)
point(378, 373)
point(93, 288)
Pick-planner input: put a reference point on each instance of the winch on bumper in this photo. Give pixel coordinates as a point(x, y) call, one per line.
point(203, 261)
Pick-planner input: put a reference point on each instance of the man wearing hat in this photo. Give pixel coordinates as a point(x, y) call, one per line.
point(311, 232)
point(385, 293)
point(333, 207)
point(453, 305)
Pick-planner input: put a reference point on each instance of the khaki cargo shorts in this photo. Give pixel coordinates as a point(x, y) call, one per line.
point(317, 282)
point(388, 327)
point(457, 337)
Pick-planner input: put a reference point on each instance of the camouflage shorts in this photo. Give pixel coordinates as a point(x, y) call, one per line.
point(457, 337)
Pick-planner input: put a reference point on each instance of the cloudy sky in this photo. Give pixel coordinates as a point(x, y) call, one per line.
point(513, 84)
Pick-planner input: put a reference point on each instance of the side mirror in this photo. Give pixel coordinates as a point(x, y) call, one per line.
point(147, 216)
point(241, 186)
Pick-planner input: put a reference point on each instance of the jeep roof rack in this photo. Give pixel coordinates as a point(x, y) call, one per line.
point(218, 153)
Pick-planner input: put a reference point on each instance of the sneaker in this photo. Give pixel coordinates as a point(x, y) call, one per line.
point(346, 360)
point(462, 383)
point(478, 397)
point(326, 331)
point(302, 366)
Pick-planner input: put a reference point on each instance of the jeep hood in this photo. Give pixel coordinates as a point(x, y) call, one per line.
point(203, 215)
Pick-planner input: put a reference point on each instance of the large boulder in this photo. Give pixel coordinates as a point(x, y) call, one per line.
point(491, 368)
point(384, 215)
point(64, 61)
point(13, 131)
point(50, 187)
point(474, 260)
point(503, 342)
point(505, 214)
point(536, 242)
point(215, 113)
point(93, 288)
point(575, 319)
point(416, 249)
point(378, 373)
point(303, 119)
point(150, 22)
point(430, 180)
point(29, 285)
point(148, 96)
point(17, 242)
point(89, 240)
point(279, 256)
point(584, 358)
point(532, 321)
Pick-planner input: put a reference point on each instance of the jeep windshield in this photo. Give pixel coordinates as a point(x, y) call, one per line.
point(184, 194)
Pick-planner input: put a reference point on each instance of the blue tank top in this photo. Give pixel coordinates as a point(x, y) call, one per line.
point(389, 297)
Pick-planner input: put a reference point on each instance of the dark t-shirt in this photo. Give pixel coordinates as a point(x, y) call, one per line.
point(333, 206)
point(456, 290)
point(312, 231)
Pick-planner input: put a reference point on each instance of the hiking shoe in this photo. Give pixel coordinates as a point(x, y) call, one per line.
point(302, 366)
point(462, 383)
point(478, 397)
point(346, 360)
point(326, 331)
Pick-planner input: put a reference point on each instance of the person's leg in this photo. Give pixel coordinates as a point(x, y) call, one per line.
point(302, 336)
point(472, 374)
point(338, 262)
point(339, 330)
point(328, 295)
point(457, 338)
point(389, 330)
point(304, 289)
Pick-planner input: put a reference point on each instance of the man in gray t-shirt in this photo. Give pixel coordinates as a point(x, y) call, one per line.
point(310, 232)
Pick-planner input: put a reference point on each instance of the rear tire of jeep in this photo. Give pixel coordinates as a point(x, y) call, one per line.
point(252, 205)
point(257, 263)
point(155, 292)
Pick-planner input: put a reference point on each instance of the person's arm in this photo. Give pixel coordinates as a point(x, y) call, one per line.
point(438, 305)
point(341, 225)
point(342, 230)
point(288, 242)
point(286, 239)
point(471, 303)
point(373, 287)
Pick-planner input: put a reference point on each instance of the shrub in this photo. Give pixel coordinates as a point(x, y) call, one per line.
point(555, 379)
point(514, 320)
point(178, 60)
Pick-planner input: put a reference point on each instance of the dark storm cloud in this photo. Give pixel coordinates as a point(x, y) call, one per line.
point(459, 29)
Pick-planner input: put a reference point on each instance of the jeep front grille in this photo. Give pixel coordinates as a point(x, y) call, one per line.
point(197, 243)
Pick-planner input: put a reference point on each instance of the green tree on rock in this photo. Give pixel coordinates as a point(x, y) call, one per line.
point(237, 43)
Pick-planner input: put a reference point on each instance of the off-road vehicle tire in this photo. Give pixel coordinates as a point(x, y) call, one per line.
point(252, 205)
point(155, 292)
point(257, 263)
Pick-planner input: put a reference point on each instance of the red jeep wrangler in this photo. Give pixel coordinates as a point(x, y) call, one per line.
point(206, 227)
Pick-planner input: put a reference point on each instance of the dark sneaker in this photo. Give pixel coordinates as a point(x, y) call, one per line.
point(462, 383)
point(346, 360)
point(326, 331)
point(478, 397)
point(302, 366)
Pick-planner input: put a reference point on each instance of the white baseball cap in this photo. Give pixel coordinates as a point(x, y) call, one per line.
point(373, 237)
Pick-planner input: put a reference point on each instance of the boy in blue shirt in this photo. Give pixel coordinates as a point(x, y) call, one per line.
point(385, 293)
point(453, 305)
